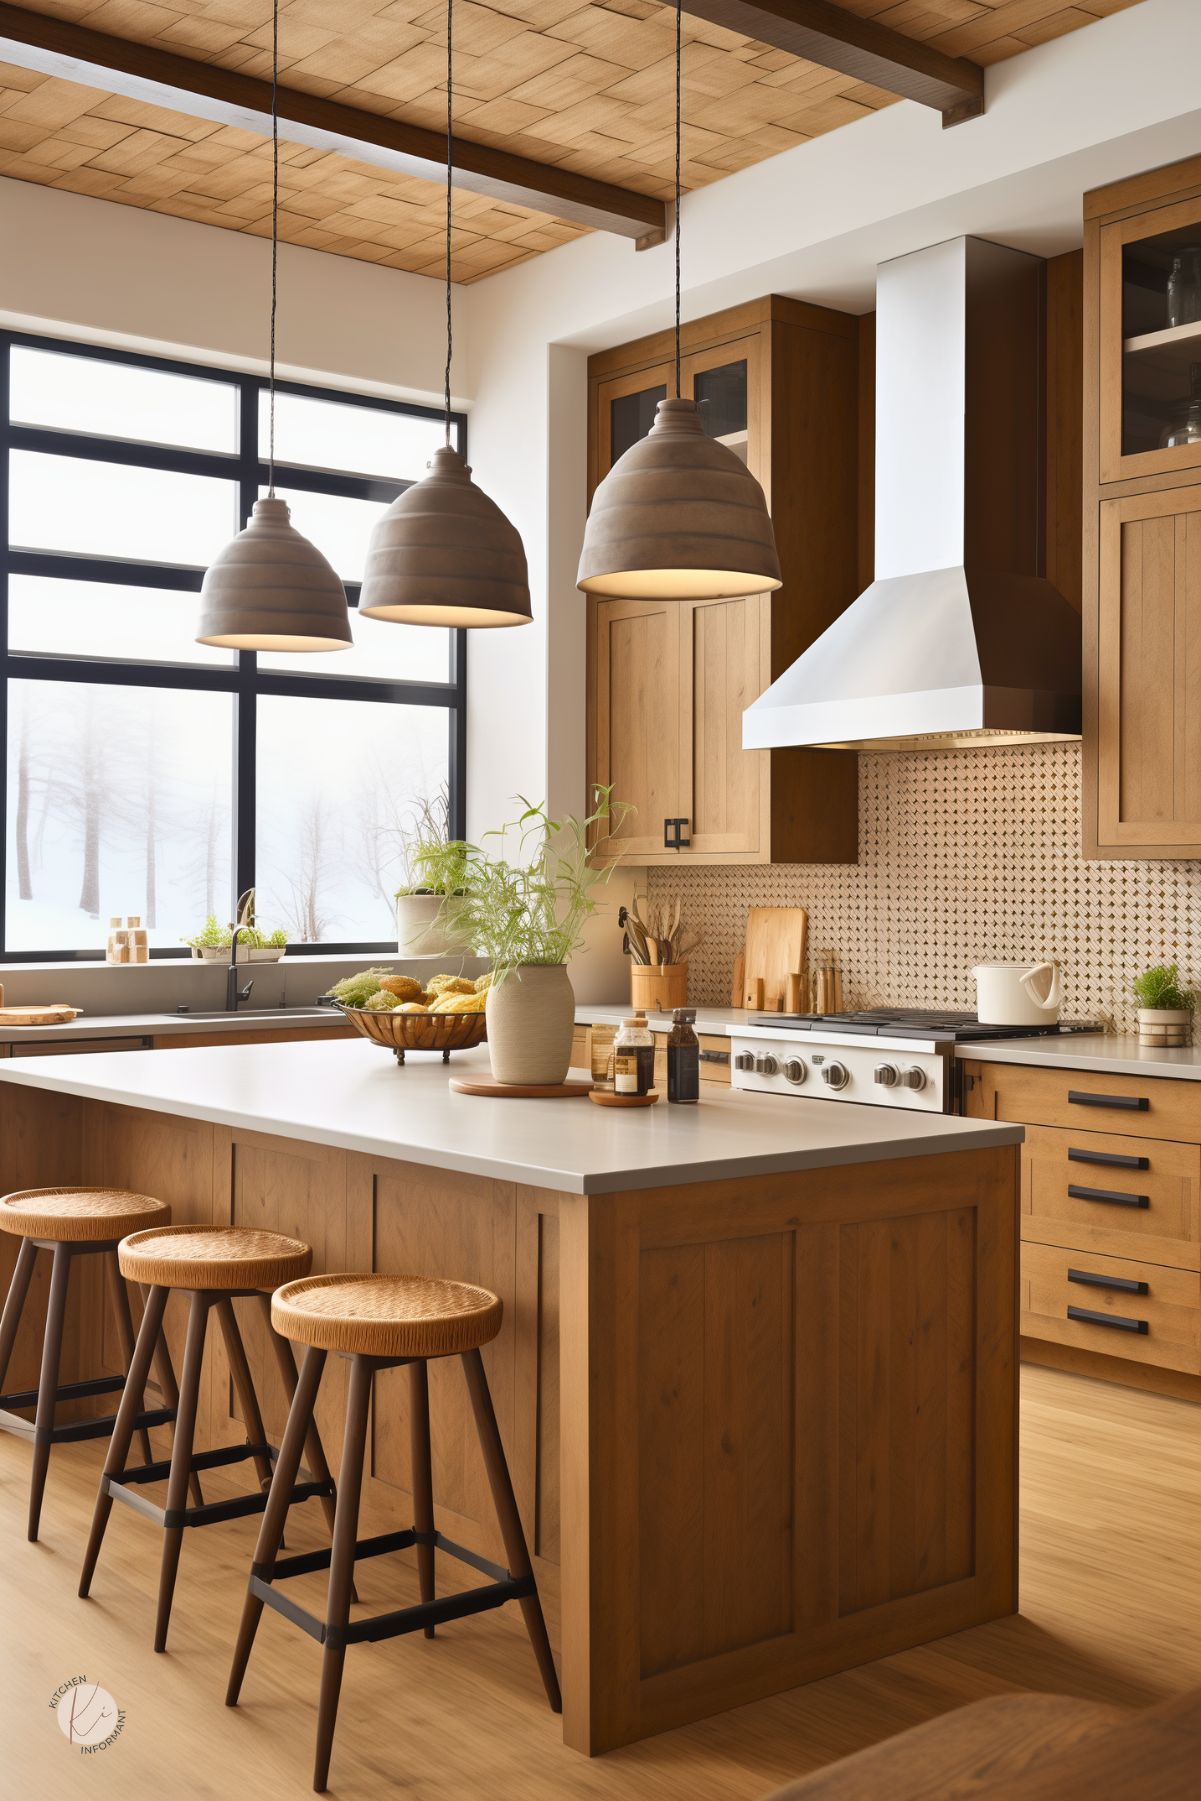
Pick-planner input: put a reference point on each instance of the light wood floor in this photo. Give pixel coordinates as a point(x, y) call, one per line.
point(1111, 1609)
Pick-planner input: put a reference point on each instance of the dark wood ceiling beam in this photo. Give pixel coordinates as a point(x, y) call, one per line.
point(52, 46)
point(823, 33)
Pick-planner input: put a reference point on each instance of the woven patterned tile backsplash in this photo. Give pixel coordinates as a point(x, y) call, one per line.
point(964, 857)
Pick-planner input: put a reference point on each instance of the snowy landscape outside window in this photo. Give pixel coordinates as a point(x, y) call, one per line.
point(148, 774)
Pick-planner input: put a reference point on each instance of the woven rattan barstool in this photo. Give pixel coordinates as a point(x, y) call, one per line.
point(71, 1223)
point(380, 1322)
point(215, 1266)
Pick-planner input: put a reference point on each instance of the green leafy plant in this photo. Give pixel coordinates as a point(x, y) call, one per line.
point(529, 907)
point(1161, 988)
point(212, 936)
point(435, 863)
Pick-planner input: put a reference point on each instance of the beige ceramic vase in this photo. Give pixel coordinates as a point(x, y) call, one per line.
point(531, 1016)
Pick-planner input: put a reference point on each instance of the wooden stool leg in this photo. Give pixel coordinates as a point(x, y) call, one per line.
point(423, 1481)
point(165, 1372)
point(124, 1324)
point(512, 1532)
point(341, 1569)
point(271, 1527)
point(52, 1350)
point(18, 1289)
point(132, 1397)
point(314, 1451)
point(181, 1459)
point(239, 1369)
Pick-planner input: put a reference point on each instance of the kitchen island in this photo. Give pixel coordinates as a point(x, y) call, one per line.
point(757, 1373)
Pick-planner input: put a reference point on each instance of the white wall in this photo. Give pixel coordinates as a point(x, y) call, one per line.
point(81, 268)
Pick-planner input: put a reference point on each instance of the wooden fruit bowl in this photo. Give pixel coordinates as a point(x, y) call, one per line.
point(401, 1032)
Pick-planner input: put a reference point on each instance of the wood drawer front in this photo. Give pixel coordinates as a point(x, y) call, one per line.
point(1125, 1197)
point(1151, 1107)
point(715, 1060)
point(1161, 1326)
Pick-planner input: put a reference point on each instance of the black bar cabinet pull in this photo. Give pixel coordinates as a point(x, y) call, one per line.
point(1130, 1103)
point(668, 841)
point(715, 1057)
point(681, 843)
point(1112, 1197)
point(1111, 1159)
point(1126, 1284)
point(1116, 1321)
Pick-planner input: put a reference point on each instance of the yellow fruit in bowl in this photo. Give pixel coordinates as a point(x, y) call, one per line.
point(405, 988)
point(458, 1003)
point(412, 1007)
point(484, 982)
point(444, 984)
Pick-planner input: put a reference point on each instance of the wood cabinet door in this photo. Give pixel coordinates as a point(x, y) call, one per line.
point(1145, 362)
point(636, 663)
point(1149, 674)
point(723, 667)
point(625, 412)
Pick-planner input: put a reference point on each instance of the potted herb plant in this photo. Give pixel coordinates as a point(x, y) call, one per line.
point(1165, 1007)
point(426, 922)
point(214, 940)
point(524, 908)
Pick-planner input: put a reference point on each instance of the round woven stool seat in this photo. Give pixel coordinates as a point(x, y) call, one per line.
point(79, 1215)
point(198, 1257)
point(386, 1316)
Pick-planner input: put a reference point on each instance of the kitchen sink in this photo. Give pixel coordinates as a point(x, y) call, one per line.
point(259, 1015)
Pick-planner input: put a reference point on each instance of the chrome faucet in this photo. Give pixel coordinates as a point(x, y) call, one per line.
point(233, 994)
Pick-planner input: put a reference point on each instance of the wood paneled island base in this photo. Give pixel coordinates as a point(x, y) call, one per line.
point(761, 1430)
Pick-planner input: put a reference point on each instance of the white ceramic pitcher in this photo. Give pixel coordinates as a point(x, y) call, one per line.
point(1018, 994)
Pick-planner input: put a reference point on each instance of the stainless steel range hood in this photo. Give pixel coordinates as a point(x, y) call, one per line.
point(959, 641)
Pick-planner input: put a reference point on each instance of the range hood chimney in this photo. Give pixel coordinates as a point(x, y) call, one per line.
point(959, 641)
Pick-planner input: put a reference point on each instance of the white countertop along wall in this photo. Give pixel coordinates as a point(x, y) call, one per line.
point(354, 1096)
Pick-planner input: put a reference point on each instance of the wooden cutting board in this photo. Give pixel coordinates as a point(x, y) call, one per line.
point(776, 945)
point(517, 1091)
point(58, 1013)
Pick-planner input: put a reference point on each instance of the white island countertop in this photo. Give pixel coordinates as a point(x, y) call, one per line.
point(354, 1096)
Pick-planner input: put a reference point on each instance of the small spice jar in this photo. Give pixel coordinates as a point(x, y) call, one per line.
point(634, 1057)
point(683, 1058)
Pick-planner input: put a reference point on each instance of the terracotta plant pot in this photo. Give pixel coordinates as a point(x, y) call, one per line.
point(423, 929)
point(531, 1017)
point(1164, 1028)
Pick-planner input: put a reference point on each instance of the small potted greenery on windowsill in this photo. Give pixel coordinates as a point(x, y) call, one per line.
point(1165, 1007)
point(435, 868)
point(214, 940)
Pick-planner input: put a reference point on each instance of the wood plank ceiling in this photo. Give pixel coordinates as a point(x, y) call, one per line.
point(586, 84)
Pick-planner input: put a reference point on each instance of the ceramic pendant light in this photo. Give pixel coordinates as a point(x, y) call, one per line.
point(679, 516)
point(444, 553)
point(270, 589)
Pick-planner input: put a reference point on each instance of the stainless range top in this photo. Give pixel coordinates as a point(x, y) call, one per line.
point(882, 1057)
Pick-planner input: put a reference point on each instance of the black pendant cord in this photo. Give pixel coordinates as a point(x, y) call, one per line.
point(679, 116)
point(450, 165)
point(274, 238)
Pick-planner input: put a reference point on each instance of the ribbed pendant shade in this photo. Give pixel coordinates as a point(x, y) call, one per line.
point(444, 554)
point(678, 517)
point(270, 589)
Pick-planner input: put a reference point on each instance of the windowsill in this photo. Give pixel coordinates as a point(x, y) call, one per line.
point(178, 965)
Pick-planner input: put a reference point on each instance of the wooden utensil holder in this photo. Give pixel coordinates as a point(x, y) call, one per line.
point(658, 987)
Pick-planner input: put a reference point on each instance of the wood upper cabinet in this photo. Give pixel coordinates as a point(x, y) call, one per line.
point(1148, 724)
point(668, 682)
point(1142, 513)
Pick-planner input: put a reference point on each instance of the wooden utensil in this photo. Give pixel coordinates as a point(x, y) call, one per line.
point(776, 944)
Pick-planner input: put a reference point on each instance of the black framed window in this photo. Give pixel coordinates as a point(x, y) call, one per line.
point(145, 773)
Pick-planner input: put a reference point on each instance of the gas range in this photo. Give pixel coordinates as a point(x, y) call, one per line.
point(885, 1057)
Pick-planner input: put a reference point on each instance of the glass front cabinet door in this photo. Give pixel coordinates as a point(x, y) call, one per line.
point(1150, 343)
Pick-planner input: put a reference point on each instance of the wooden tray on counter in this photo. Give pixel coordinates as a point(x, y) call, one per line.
point(58, 1013)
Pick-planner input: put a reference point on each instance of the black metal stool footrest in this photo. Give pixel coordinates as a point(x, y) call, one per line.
point(308, 1488)
point(500, 1589)
point(72, 1431)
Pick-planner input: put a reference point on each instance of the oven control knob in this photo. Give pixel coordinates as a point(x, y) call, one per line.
point(835, 1075)
point(795, 1070)
point(745, 1060)
point(913, 1077)
point(766, 1066)
point(887, 1075)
